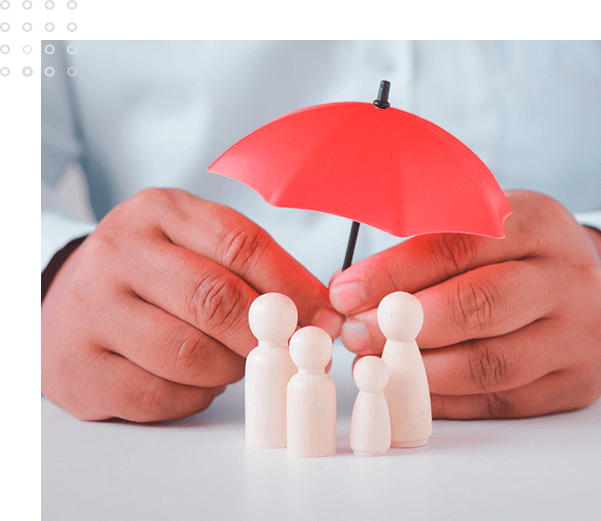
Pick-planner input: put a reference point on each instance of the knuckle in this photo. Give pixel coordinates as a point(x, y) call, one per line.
point(590, 392)
point(489, 368)
point(191, 355)
point(152, 401)
point(588, 273)
point(149, 196)
point(593, 274)
point(195, 358)
point(477, 305)
point(586, 387)
point(581, 278)
point(549, 207)
point(135, 213)
point(546, 211)
point(454, 252)
point(218, 303)
point(138, 204)
point(98, 275)
point(101, 244)
point(497, 406)
point(241, 248)
point(150, 203)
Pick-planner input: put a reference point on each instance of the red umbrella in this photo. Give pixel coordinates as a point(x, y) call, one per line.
point(386, 168)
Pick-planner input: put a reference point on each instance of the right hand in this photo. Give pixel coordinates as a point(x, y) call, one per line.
point(148, 319)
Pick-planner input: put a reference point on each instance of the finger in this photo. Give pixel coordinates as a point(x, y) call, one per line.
point(244, 248)
point(361, 334)
point(476, 366)
point(195, 290)
point(489, 301)
point(555, 392)
point(167, 346)
point(413, 265)
point(426, 260)
point(497, 364)
point(121, 389)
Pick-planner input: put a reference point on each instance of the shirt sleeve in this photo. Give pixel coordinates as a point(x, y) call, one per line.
point(61, 145)
point(61, 231)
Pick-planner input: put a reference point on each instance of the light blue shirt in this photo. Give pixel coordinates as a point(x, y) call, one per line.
point(139, 114)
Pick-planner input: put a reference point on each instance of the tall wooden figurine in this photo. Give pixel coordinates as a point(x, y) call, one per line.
point(370, 421)
point(400, 317)
point(272, 318)
point(311, 396)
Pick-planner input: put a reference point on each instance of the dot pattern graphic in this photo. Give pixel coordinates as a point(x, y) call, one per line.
point(16, 18)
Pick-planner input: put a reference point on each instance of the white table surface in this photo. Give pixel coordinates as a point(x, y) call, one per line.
point(199, 468)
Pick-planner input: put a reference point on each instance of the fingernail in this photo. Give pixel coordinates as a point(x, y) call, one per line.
point(347, 297)
point(329, 321)
point(354, 336)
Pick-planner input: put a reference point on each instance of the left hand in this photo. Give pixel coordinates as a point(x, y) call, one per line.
point(512, 327)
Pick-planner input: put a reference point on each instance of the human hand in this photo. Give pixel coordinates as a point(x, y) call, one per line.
point(512, 327)
point(148, 318)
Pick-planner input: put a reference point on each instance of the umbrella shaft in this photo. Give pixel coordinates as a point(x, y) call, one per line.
point(350, 249)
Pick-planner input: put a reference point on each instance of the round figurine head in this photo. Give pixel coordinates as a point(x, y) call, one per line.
point(400, 316)
point(311, 348)
point(370, 374)
point(272, 317)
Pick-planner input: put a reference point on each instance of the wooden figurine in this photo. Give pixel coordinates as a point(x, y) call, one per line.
point(370, 421)
point(400, 317)
point(311, 396)
point(272, 318)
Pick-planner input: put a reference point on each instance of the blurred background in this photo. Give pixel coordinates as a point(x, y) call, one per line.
point(118, 116)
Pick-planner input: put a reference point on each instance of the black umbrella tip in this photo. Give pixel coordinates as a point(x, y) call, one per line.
point(382, 101)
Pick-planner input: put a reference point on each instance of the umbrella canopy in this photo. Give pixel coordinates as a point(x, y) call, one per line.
point(386, 168)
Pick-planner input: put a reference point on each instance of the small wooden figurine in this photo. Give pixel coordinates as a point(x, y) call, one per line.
point(400, 317)
point(311, 396)
point(370, 421)
point(272, 318)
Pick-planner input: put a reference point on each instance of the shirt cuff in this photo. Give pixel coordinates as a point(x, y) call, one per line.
point(57, 231)
point(591, 219)
point(56, 262)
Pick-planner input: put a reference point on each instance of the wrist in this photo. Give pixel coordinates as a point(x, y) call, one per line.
point(56, 264)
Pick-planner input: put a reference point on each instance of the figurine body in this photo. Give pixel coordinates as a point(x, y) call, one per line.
point(311, 396)
point(370, 421)
point(272, 318)
point(400, 316)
